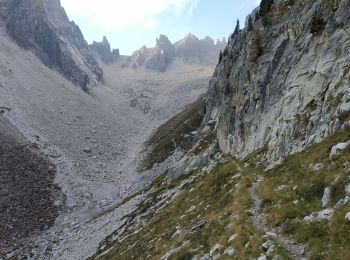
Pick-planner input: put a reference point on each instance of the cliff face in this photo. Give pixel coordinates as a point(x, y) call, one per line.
point(103, 50)
point(284, 80)
point(44, 28)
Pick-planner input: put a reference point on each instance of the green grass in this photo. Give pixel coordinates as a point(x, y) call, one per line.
point(286, 209)
point(222, 199)
point(219, 199)
point(175, 133)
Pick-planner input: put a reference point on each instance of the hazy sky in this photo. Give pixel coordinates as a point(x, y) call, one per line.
point(130, 24)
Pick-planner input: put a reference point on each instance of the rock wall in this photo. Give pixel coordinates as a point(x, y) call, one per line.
point(103, 50)
point(44, 28)
point(284, 80)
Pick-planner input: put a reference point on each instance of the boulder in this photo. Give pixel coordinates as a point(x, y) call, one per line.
point(317, 167)
point(341, 203)
point(347, 189)
point(325, 214)
point(347, 216)
point(267, 245)
point(338, 148)
point(215, 250)
point(326, 197)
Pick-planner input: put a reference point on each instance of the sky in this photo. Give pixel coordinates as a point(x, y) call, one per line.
point(130, 24)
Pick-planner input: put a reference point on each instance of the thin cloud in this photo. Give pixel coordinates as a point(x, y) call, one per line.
point(116, 15)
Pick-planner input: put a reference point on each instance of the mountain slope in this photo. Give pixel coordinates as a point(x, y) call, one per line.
point(284, 80)
point(44, 28)
point(268, 174)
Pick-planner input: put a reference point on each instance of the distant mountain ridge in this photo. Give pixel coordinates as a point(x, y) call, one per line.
point(190, 49)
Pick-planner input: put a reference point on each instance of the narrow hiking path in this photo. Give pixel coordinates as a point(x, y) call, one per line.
point(295, 250)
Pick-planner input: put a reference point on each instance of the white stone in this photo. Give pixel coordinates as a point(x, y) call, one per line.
point(232, 238)
point(229, 251)
point(310, 218)
point(206, 130)
point(326, 197)
point(347, 190)
point(347, 217)
point(280, 187)
point(271, 234)
point(325, 214)
point(216, 249)
point(338, 148)
point(317, 167)
point(267, 245)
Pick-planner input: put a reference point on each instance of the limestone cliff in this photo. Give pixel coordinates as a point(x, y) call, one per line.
point(44, 28)
point(283, 81)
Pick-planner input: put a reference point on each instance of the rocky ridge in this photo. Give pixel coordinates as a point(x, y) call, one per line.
point(103, 50)
point(190, 50)
point(44, 28)
point(283, 81)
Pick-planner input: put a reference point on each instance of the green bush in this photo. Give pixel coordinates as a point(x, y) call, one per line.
point(317, 24)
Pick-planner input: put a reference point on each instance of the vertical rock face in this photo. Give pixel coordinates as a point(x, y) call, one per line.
point(284, 81)
point(162, 56)
point(43, 27)
point(103, 50)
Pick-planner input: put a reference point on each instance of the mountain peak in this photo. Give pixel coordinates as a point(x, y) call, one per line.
point(44, 28)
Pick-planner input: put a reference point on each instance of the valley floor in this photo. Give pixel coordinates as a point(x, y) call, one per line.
point(94, 140)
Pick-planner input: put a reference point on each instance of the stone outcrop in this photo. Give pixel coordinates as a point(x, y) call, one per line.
point(44, 28)
point(283, 82)
point(162, 55)
point(103, 50)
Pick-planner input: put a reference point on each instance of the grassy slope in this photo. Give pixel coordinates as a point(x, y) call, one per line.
point(175, 133)
point(221, 198)
point(302, 194)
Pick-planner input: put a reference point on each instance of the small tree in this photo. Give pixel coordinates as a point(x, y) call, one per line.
point(265, 7)
point(317, 24)
point(250, 24)
point(236, 31)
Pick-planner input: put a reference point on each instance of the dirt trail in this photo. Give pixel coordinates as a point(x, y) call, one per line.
point(295, 250)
